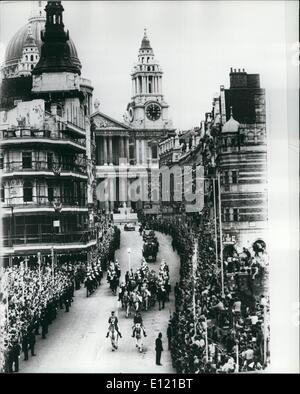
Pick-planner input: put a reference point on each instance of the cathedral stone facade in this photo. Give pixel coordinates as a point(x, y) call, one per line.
point(127, 151)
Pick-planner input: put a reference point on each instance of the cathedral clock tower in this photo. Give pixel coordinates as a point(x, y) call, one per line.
point(147, 109)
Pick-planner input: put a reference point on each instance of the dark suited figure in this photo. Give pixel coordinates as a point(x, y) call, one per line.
point(13, 358)
point(161, 297)
point(158, 348)
point(169, 334)
point(66, 302)
point(44, 325)
point(25, 347)
point(31, 342)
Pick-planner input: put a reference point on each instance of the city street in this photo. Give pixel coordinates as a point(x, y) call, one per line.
point(77, 341)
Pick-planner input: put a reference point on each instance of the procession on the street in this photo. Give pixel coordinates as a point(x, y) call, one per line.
point(135, 240)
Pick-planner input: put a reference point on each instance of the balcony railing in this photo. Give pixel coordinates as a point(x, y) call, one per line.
point(81, 237)
point(27, 133)
point(14, 166)
point(43, 201)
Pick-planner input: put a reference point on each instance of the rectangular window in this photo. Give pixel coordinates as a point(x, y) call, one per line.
point(2, 194)
point(227, 215)
point(50, 193)
point(234, 177)
point(27, 160)
point(27, 191)
point(49, 160)
point(235, 215)
point(226, 181)
point(154, 152)
point(226, 177)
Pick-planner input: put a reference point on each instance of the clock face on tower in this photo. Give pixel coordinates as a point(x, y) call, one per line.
point(153, 111)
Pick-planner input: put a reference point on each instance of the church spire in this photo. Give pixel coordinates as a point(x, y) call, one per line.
point(145, 42)
point(55, 52)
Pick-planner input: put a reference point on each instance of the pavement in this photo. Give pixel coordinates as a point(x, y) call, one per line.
point(77, 343)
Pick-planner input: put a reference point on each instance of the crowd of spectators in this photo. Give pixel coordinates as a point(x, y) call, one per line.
point(213, 331)
point(33, 290)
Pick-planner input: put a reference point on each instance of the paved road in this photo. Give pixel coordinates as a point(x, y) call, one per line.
point(76, 341)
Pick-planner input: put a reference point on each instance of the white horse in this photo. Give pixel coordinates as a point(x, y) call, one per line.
point(138, 337)
point(114, 337)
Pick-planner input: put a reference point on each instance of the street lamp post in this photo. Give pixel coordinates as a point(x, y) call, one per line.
point(129, 259)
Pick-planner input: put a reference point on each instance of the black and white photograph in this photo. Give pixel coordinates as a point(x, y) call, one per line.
point(149, 164)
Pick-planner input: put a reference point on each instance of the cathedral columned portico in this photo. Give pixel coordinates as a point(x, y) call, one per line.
point(127, 151)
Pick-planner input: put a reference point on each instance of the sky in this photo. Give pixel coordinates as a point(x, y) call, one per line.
point(195, 43)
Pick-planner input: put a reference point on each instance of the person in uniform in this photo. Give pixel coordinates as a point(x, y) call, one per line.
point(25, 346)
point(14, 357)
point(137, 319)
point(158, 348)
point(31, 342)
point(114, 321)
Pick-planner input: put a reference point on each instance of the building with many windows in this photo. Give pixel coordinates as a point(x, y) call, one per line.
point(231, 145)
point(46, 142)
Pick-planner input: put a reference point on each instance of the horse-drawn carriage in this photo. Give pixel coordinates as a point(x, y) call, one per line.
point(150, 247)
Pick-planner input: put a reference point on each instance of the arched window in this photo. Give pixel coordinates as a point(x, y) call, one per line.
point(27, 191)
point(148, 59)
point(154, 151)
point(54, 19)
point(142, 60)
point(31, 58)
point(26, 57)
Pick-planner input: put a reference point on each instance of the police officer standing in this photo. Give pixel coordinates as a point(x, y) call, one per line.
point(25, 346)
point(31, 342)
point(158, 348)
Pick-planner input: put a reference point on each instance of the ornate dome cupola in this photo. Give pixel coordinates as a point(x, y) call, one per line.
point(30, 55)
point(55, 52)
point(231, 126)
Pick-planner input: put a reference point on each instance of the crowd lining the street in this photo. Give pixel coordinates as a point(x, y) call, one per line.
point(32, 292)
point(211, 332)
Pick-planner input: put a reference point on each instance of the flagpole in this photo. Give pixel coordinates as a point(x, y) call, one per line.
point(206, 340)
point(39, 267)
point(215, 221)
point(265, 333)
point(221, 234)
point(237, 366)
point(194, 284)
point(52, 262)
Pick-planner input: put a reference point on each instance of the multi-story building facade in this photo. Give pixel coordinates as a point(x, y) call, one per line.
point(241, 159)
point(135, 141)
point(46, 142)
point(231, 145)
